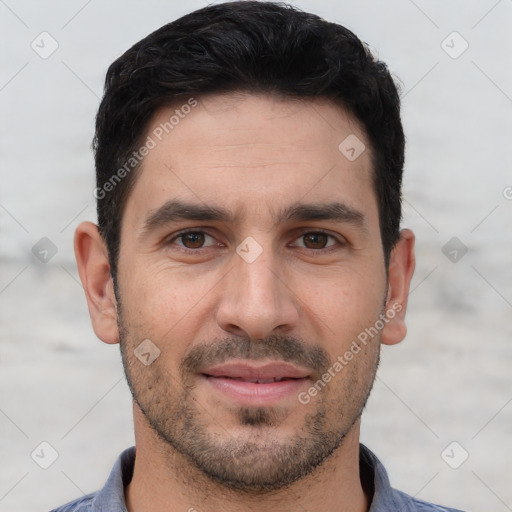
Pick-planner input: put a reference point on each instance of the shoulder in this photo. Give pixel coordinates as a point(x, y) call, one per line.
point(385, 498)
point(110, 498)
point(83, 504)
point(411, 504)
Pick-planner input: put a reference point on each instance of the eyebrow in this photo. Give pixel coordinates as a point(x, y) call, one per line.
point(176, 210)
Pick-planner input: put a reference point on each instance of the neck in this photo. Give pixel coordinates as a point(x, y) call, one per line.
point(164, 480)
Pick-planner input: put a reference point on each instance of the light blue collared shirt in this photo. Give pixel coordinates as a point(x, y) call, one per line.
point(385, 499)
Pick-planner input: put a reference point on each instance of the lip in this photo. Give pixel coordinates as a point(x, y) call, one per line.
point(275, 370)
point(249, 384)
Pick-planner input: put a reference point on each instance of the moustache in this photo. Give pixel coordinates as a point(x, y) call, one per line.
point(275, 347)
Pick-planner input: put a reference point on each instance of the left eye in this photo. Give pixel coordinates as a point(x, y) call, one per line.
point(316, 240)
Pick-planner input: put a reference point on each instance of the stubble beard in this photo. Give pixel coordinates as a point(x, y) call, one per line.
point(255, 462)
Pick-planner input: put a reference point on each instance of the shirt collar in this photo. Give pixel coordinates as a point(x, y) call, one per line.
point(111, 497)
point(384, 497)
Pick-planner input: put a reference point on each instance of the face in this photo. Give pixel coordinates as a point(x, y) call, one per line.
point(251, 259)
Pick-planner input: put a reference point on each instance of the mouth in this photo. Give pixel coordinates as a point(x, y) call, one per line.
point(257, 381)
point(249, 384)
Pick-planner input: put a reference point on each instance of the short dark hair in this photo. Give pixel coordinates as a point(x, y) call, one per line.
point(246, 46)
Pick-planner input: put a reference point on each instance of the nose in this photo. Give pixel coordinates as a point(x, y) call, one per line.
point(257, 300)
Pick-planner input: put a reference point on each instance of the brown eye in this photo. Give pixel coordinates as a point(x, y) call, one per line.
point(315, 240)
point(193, 240)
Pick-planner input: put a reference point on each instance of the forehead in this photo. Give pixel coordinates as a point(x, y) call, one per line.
point(255, 153)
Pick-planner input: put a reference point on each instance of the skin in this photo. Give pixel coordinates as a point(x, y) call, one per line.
point(254, 156)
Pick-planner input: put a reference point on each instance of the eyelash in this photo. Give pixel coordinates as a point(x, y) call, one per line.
point(303, 233)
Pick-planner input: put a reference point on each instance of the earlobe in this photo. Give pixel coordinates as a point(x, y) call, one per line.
point(94, 269)
point(400, 272)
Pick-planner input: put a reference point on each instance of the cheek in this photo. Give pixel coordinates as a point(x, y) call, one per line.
point(162, 301)
point(346, 303)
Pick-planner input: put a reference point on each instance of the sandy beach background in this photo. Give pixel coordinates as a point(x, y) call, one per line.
point(440, 417)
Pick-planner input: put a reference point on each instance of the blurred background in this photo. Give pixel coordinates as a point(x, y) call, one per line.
point(440, 416)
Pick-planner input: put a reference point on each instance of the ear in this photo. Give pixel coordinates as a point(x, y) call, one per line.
point(400, 271)
point(94, 269)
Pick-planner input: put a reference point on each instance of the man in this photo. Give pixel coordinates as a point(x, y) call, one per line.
point(249, 261)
